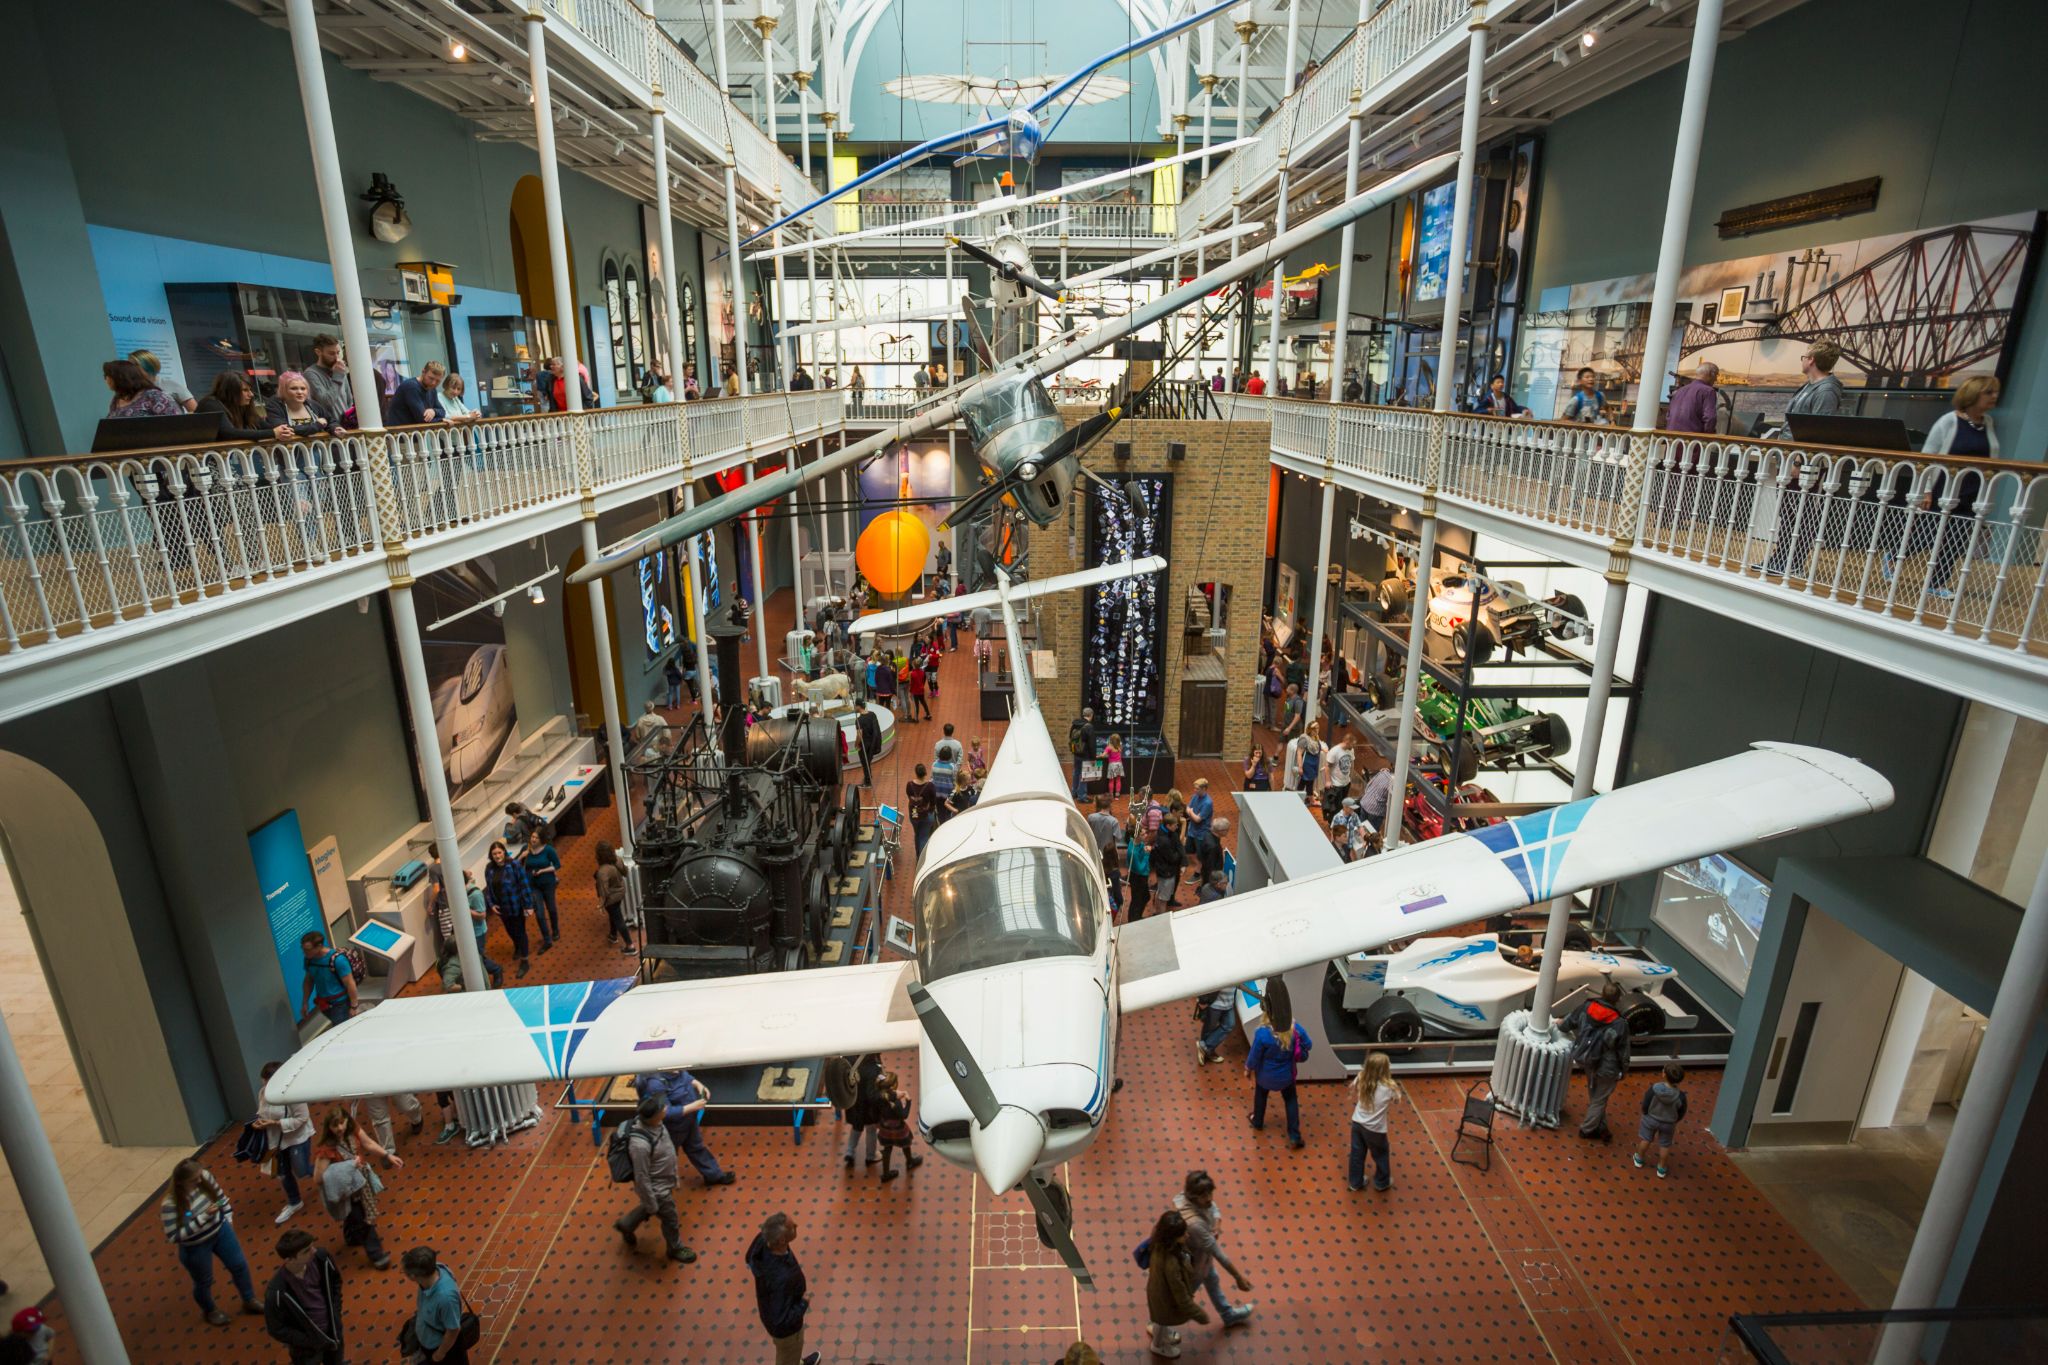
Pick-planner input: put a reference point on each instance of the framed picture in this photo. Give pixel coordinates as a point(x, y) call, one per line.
point(1708, 312)
point(1733, 300)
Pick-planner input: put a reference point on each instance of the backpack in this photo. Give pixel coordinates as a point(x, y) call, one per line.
point(353, 956)
point(618, 1152)
point(1592, 1042)
point(1302, 1045)
point(1311, 765)
point(1142, 1254)
point(1074, 744)
point(942, 777)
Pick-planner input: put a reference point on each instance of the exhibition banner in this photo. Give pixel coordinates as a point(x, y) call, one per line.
point(291, 900)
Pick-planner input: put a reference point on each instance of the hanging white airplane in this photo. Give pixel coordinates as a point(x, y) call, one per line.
point(1021, 978)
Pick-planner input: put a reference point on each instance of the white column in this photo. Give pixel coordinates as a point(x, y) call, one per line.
point(771, 316)
point(1241, 335)
point(551, 198)
point(739, 322)
point(43, 1197)
point(796, 551)
point(849, 490)
point(348, 291)
point(1287, 93)
point(1347, 240)
point(1685, 158)
point(1601, 687)
point(732, 205)
point(2013, 1012)
point(572, 388)
point(1411, 673)
point(1461, 209)
point(1685, 166)
point(1311, 693)
point(670, 295)
point(1208, 79)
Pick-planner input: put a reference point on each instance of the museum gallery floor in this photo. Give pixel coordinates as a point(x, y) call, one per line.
point(1560, 1252)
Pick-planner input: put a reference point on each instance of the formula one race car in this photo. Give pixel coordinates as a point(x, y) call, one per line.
point(1467, 986)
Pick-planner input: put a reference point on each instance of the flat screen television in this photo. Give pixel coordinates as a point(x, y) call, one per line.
point(1714, 908)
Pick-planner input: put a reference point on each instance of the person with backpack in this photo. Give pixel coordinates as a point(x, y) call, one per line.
point(288, 1131)
point(1169, 1284)
point(946, 756)
point(882, 682)
point(437, 1320)
point(1272, 684)
point(1600, 1046)
point(1663, 1108)
point(864, 1114)
point(1081, 744)
point(640, 1151)
point(330, 980)
point(1278, 1048)
point(1169, 856)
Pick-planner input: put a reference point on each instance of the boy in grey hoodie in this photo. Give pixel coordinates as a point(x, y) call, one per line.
point(1663, 1107)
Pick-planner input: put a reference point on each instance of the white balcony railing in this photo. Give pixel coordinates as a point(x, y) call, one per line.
point(1944, 545)
point(1397, 33)
point(1089, 221)
point(91, 542)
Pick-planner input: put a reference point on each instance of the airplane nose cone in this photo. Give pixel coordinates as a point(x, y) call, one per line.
point(1005, 1150)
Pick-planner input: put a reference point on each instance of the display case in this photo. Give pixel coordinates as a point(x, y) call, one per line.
point(262, 331)
point(508, 352)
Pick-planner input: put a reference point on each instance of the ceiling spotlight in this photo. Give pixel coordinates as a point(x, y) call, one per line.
point(457, 50)
point(1561, 55)
point(1588, 38)
point(537, 595)
point(1493, 94)
point(1415, 139)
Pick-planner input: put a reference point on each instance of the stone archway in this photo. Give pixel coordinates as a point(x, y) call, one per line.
point(78, 924)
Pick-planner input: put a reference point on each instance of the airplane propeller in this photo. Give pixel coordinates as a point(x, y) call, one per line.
point(1006, 1140)
point(1067, 444)
point(1010, 270)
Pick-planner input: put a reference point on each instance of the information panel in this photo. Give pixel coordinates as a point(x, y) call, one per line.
point(291, 901)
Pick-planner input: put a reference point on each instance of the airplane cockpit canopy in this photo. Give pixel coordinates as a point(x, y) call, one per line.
point(1008, 905)
point(1005, 402)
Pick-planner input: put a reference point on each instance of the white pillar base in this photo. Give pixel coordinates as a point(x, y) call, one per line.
point(1531, 1071)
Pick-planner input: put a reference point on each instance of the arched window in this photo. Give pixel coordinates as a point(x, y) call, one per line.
point(638, 357)
point(622, 374)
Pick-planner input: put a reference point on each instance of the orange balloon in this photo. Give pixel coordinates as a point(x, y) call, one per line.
point(891, 551)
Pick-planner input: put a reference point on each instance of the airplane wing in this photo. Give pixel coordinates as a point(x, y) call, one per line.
point(1771, 790)
point(582, 1029)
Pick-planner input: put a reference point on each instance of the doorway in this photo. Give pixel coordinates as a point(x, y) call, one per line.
point(115, 1143)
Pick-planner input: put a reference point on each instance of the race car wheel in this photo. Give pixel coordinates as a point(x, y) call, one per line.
point(1644, 1018)
point(1395, 594)
point(1480, 649)
point(1390, 1019)
point(1578, 938)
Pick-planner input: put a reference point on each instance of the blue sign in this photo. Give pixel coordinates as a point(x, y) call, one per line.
point(290, 900)
point(1433, 243)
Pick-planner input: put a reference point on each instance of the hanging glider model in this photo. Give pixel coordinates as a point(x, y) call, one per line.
point(1018, 132)
point(1021, 977)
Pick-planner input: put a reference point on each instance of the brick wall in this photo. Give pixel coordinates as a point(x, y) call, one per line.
point(1216, 533)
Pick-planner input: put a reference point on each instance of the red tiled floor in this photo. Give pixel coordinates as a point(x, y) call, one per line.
point(1561, 1252)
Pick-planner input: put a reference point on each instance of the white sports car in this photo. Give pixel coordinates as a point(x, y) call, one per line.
point(1467, 986)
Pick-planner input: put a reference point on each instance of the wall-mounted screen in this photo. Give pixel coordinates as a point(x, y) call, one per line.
point(1433, 244)
point(1714, 907)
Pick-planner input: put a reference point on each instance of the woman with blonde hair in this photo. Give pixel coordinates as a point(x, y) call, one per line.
point(1942, 512)
point(1966, 428)
point(1376, 1093)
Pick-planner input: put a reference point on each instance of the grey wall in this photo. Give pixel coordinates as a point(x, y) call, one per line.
point(1927, 96)
point(1711, 685)
point(81, 742)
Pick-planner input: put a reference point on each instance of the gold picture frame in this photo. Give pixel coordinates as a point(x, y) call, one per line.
point(1733, 300)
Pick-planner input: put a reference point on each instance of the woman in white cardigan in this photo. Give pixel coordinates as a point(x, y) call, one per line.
point(1966, 428)
point(1941, 518)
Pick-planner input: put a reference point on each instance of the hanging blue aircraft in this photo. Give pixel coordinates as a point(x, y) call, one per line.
point(1018, 132)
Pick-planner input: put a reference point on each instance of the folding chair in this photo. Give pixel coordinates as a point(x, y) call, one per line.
point(1476, 1123)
